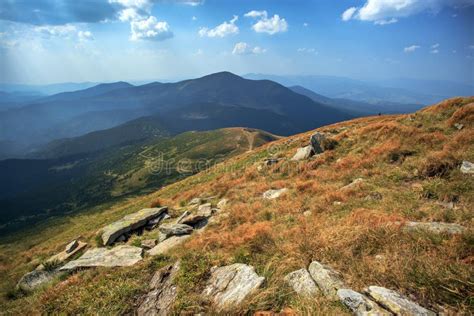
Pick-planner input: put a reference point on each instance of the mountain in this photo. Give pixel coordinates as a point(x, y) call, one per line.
point(47, 89)
point(10, 100)
point(87, 93)
point(387, 207)
point(39, 188)
point(358, 108)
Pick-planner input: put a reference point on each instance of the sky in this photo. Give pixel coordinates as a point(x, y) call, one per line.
point(51, 41)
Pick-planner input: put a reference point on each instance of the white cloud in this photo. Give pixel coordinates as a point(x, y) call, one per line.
point(305, 24)
point(411, 48)
point(56, 30)
point(267, 25)
point(386, 22)
point(243, 48)
point(150, 29)
point(222, 30)
point(85, 36)
point(307, 50)
point(378, 11)
point(130, 14)
point(434, 46)
point(192, 3)
point(194, 18)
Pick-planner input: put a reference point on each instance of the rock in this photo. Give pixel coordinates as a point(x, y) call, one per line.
point(222, 204)
point(359, 304)
point(175, 229)
point(121, 238)
point(163, 291)
point(436, 227)
point(328, 280)
point(273, 194)
point(459, 126)
point(185, 213)
point(448, 205)
point(167, 245)
point(353, 184)
point(270, 161)
point(193, 219)
point(63, 256)
point(337, 203)
point(71, 246)
point(205, 209)
point(131, 222)
point(374, 196)
point(307, 213)
point(155, 221)
point(467, 167)
point(303, 153)
point(161, 237)
point(229, 285)
point(34, 279)
point(302, 283)
point(148, 243)
point(120, 256)
point(396, 303)
point(196, 201)
point(317, 144)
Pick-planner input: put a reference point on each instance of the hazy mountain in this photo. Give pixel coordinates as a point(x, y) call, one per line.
point(48, 89)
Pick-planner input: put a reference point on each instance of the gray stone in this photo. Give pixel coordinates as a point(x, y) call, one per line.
point(396, 303)
point(307, 213)
point(303, 153)
point(167, 245)
point(185, 213)
point(222, 204)
point(205, 209)
point(131, 222)
point(458, 126)
point(353, 184)
point(316, 141)
point(273, 194)
point(228, 286)
point(467, 167)
point(34, 279)
point(359, 304)
point(374, 196)
point(302, 283)
point(436, 227)
point(120, 256)
point(64, 256)
point(148, 243)
point(328, 280)
point(71, 246)
point(163, 291)
point(196, 201)
point(175, 229)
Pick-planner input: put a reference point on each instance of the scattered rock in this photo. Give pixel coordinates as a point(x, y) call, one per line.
point(436, 227)
point(302, 283)
point(337, 203)
point(193, 219)
point(120, 256)
point(196, 201)
point(222, 203)
point(359, 304)
point(131, 222)
point(270, 161)
point(353, 184)
point(467, 167)
point(374, 196)
point(71, 246)
point(273, 194)
point(34, 279)
point(163, 291)
point(328, 280)
point(155, 221)
point(167, 245)
point(175, 229)
point(148, 243)
point(379, 257)
point(317, 140)
point(228, 286)
point(185, 213)
point(303, 153)
point(459, 126)
point(205, 209)
point(63, 256)
point(396, 303)
point(307, 213)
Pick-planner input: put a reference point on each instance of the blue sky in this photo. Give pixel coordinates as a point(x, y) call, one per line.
point(47, 41)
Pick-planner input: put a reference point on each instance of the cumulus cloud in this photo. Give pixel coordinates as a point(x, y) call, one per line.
point(243, 48)
point(56, 30)
point(378, 11)
point(85, 36)
point(411, 49)
point(222, 30)
point(150, 29)
point(271, 26)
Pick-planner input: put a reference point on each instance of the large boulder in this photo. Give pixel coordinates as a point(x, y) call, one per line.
point(163, 291)
point(396, 303)
point(120, 256)
point(436, 227)
point(165, 246)
point(317, 142)
point(303, 153)
point(228, 286)
point(34, 279)
point(328, 280)
point(359, 304)
point(273, 194)
point(467, 167)
point(175, 229)
point(302, 283)
point(129, 223)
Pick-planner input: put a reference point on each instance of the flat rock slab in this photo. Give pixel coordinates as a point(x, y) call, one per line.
point(175, 229)
point(165, 246)
point(229, 285)
point(303, 153)
point(359, 304)
point(328, 280)
point(273, 194)
point(111, 232)
point(120, 256)
point(436, 227)
point(163, 292)
point(396, 303)
point(34, 279)
point(467, 167)
point(302, 283)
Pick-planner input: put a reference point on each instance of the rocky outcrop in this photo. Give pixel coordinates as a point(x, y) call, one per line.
point(71, 246)
point(228, 286)
point(129, 223)
point(163, 291)
point(302, 283)
point(148, 243)
point(74, 248)
point(303, 153)
point(396, 303)
point(435, 227)
point(34, 279)
point(359, 304)
point(273, 194)
point(165, 246)
point(328, 280)
point(120, 256)
point(467, 167)
point(175, 230)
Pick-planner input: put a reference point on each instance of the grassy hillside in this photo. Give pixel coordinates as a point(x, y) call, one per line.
point(410, 166)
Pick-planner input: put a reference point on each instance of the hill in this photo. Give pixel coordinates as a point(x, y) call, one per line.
point(352, 208)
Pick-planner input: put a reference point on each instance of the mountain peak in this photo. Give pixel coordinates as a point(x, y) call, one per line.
point(222, 75)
